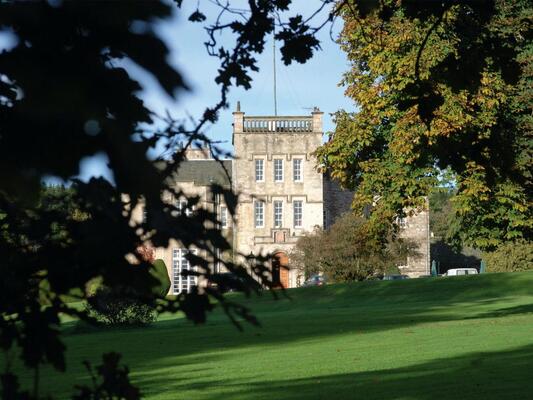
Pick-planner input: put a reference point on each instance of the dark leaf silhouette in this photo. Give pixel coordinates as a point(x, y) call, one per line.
point(66, 93)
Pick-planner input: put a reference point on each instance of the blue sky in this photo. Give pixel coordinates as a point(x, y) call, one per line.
point(299, 86)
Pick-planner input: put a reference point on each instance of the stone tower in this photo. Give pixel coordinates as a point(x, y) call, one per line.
point(281, 197)
point(280, 191)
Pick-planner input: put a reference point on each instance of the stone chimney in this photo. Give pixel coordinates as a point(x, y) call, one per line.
point(197, 154)
point(317, 119)
point(238, 119)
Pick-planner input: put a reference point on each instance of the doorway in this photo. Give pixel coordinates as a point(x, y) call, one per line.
point(280, 270)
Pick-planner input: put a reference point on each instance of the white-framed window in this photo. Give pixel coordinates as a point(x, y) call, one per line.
point(223, 217)
point(183, 208)
point(180, 265)
point(278, 213)
point(259, 213)
point(297, 174)
point(259, 170)
point(297, 209)
point(218, 263)
point(278, 169)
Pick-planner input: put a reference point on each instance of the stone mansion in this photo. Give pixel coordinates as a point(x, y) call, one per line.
point(281, 196)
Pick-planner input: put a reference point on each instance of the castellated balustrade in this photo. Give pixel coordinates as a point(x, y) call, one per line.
point(278, 124)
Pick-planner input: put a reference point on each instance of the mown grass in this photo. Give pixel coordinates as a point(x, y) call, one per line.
point(441, 338)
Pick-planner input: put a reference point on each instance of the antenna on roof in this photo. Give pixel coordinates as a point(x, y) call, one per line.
point(274, 60)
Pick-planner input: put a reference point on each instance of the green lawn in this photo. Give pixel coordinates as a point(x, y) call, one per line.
point(441, 338)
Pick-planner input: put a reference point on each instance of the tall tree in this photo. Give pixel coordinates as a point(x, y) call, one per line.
point(439, 85)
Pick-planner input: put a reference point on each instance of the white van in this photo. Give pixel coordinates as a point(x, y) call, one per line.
point(461, 271)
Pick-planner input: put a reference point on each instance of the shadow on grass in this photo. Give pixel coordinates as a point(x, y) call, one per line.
point(507, 311)
point(320, 312)
point(485, 375)
point(312, 314)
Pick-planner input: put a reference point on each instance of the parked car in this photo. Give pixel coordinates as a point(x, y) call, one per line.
point(395, 277)
point(315, 280)
point(461, 271)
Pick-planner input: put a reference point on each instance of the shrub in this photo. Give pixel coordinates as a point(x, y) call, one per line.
point(123, 306)
point(159, 272)
point(348, 251)
point(93, 285)
point(511, 257)
point(119, 306)
point(307, 257)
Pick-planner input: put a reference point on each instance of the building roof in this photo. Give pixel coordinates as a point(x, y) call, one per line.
point(205, 172)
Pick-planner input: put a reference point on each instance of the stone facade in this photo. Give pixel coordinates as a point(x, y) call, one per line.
point(194, 177)
point(338, 201)
point(288, 143)
point(281, 196)
point(415, 227)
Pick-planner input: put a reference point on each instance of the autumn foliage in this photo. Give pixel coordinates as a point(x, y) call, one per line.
point(439, 86)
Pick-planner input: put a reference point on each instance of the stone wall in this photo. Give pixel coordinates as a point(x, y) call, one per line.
point(416, 228)
point(337, 201)
point(197, 154)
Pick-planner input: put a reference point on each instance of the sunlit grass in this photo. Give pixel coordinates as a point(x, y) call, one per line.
point(439, 338)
